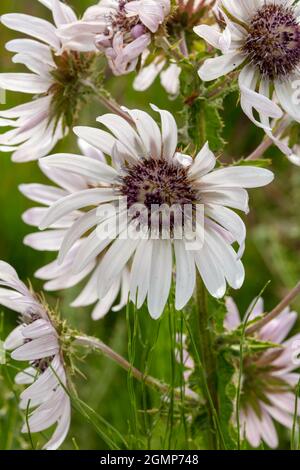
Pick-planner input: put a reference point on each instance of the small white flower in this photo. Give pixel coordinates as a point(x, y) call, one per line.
point(169, 75)
point(59, 275)
point(120, 28)
point(36, 340)
point(263, 39)
point(148, 171)
point(269, 377)
point(39, 124)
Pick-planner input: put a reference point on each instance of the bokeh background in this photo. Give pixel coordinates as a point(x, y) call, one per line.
point(272, 253)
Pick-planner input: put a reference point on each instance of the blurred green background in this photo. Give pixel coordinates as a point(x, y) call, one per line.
point(272, 253)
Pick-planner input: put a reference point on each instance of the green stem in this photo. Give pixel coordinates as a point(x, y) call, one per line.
point(208, 357)
point(108, 102)
point(97, 345)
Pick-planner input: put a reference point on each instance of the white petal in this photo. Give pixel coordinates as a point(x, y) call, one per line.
point(102, 140)
point(78, 200)
point(232, 319)
point(39, 348)
point(185, 275)
point(148, 131)
point(204, 162)
point(24, 82)
point(160, 277)
point(243, 176)
point(36, 27)
point(169, 133)
point(83, 166)
point(50, 240)
point(140, 273)
point(219, 66)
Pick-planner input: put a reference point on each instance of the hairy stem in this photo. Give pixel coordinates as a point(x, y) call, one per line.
point(276, 311)
point(108, 102)
point(183, 45)
point(207, 356)
point(98, 345)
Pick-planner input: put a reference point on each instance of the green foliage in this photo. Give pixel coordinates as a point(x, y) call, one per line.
point(226, 393)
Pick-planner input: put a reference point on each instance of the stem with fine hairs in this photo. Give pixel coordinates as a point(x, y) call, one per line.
point(98, 345)
point(208, 359)
point(276, 311)
point(268, 142)
point(108, 103)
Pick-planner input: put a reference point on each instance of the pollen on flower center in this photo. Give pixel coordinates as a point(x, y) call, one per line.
point(273, 41)
point(157, 182)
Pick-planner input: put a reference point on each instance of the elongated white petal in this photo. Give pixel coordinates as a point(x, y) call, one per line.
point(75, 201)
point(140, 273)
point(102, 140)
point(185, 275)
point(24, 82)
point(169, 133)
point(160, 277)
point(43, 347)
point(36, 27)
point(85, 166)
point(244, 176)
point(204, 162)
point(148, 131)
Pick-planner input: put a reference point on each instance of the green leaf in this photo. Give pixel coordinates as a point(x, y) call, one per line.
point(205, 124)
point(226, 393)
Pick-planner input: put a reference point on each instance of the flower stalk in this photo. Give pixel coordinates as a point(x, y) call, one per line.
point(98, 345)
point(109, 103)
point(267, 142)
point(276, 311)
point(207, 356)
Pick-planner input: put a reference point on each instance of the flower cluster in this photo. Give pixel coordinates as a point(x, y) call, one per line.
point(122, 29)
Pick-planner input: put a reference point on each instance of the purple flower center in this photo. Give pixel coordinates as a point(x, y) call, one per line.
point(156, 184)
point(273, 41)
point(157, 181)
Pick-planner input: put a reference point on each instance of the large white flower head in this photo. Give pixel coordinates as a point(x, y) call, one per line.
point(269, 377)
point(36, 340)
point(122, 29)
point(147, 178)
point(59, 275)
point(262, 38)
point(39, 124)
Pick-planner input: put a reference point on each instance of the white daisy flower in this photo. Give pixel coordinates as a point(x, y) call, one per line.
point(36, 340)
point(262, 38)
point(120, 28)
point(269, 377)
point(148, 175)
point(40, 123)
point(60, 276)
